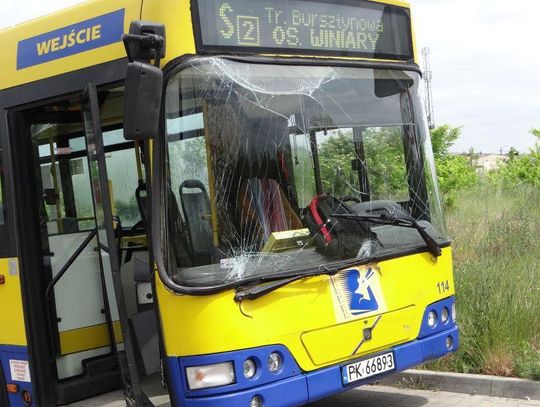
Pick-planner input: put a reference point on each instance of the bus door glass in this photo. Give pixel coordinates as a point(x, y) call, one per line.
point(74, 294)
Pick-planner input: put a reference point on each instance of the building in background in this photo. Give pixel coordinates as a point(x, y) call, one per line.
point(490, 162)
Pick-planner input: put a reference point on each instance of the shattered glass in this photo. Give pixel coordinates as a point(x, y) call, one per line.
point(254, 152)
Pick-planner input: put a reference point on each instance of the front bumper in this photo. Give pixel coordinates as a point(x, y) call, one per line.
point(298, 388)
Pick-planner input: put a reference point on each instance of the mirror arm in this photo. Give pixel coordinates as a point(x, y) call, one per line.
point(147, 42)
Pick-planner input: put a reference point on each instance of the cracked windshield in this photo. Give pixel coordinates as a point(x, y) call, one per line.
point(277, 168)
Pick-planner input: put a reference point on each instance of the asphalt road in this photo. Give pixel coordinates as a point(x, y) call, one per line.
point(367, 396)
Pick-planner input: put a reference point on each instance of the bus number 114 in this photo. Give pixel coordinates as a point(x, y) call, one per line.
point(443, 286)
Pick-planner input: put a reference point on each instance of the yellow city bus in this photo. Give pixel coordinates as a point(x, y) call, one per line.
point(226, 202)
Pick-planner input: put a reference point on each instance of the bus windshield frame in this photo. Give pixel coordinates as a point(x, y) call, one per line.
point(182, 278)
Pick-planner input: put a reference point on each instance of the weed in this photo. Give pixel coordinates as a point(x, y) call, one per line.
point(496, 247)
point(415, 383)
point(528, 361)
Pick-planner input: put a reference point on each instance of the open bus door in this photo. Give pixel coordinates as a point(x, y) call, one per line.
point(133, 393)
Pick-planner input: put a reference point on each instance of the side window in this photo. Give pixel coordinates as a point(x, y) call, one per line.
point(69, 171)
point(385, 162)
point(189, 145)
point(66, 203)
point(336, 158)
point(65, 180)
point(196, 168)
point(122, 170)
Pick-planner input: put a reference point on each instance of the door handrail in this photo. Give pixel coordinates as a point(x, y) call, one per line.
point(70, 261)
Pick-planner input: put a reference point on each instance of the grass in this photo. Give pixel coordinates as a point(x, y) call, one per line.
point(496, 235)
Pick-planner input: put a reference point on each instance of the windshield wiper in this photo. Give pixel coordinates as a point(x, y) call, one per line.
point(387, 219)
point(258, 290)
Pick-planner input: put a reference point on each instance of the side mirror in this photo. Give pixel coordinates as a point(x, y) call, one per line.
point(142, 101)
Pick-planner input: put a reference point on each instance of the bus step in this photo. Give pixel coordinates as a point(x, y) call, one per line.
point(98, 366)
point(101, 376)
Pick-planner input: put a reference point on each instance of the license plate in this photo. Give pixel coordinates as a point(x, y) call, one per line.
point(367, 368)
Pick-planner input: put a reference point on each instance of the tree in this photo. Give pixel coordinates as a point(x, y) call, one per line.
point(512, 153)
point(335, 158)
point(385, 160)
point(454, 171)
point(385, 163)
point(442, 138)
point(521, 169)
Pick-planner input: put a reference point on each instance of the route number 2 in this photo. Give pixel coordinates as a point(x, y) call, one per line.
point(248, 30)
point(443, 286)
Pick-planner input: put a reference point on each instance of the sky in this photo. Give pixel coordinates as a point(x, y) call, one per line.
point(485, 59)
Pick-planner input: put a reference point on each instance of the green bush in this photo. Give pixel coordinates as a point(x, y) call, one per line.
point(454, 173)
point(520, 169)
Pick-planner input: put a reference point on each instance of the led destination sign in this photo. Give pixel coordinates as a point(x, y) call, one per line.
point(358, 28)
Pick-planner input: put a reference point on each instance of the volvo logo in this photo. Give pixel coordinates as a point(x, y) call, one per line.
point(367, 334)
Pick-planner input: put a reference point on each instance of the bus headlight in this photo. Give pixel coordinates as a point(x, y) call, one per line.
point(202, 377)
point(249, 368)
point(444, 315)
point(454, 311)
point(275, 362)
point(432, 319)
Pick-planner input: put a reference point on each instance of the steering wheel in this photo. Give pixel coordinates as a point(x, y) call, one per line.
point(348, 198)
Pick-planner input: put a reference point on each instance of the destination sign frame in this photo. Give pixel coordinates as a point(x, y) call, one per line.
point(209, 47)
